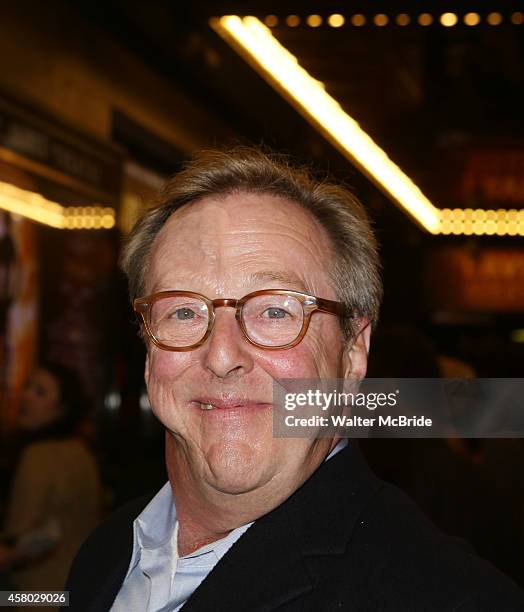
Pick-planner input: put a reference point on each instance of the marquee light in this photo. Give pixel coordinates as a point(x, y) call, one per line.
point(336, 20)
point(280, 68)
point(402, 19)
point(257, 45)
point(37, 208)
point(479, 222)
point(448, 20)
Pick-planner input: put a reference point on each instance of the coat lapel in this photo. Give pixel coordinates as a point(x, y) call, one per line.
point(263, 569)
point(106, 595)
point(326, 509)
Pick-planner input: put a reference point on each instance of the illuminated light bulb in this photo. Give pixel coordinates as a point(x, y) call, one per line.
point(471, 19)
point(402, 19)
point(469, 214)
point(448, 19)
point(108, 222)
point(336, 20)
point(458, 214)
point(445, 228)
point(271, 21)
point(517, 18)
point(425, 19)
point(380, 20)
point(501, 214)
point(314, 21)
point(480, 214)
point(292, 21)
point(445, 214)
point(478, 228)
point(494, 19)
point(491, 215)
point(491, 227)
point(501, 228)
point(457, 227)
point(468, 228)
point(358, 20)
point(512, 228)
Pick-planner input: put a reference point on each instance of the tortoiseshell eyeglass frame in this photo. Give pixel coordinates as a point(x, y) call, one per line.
point(310, 304)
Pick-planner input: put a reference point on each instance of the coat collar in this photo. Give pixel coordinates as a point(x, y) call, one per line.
point(326, 508)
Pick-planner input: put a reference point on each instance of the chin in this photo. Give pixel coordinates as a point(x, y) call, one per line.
point(235, 467)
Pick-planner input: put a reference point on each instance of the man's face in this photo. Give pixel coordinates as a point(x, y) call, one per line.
point(226, 248)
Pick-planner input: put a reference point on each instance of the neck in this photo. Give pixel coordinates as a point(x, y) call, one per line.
point(206, 514)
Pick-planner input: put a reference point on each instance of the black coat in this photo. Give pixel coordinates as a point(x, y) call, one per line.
point(344, 541)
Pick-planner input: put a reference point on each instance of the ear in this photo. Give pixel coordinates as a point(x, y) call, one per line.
point(355, 359)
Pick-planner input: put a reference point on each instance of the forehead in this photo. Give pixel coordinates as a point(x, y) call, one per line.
point(235, 239)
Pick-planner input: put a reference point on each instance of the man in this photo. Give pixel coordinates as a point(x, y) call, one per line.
point(249, 521)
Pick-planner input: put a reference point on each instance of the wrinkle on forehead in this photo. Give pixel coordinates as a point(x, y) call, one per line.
point(233, 236)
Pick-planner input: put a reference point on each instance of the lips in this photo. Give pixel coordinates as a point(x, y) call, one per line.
point(212, 403)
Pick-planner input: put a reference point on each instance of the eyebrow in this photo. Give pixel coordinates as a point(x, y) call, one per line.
point(286, 278)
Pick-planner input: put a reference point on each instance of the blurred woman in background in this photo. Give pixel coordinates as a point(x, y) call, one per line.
point(55, 495)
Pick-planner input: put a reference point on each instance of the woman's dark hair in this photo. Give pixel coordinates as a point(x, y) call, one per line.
point(73, 399)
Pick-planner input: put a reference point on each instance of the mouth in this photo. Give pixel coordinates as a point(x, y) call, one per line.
point(230, 404)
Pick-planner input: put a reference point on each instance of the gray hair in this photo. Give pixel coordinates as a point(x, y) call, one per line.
point(355, 271)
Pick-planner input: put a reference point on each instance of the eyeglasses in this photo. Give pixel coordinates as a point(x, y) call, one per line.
point(270, 318)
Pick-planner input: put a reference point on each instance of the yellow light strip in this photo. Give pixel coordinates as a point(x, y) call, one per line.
point(402, 19)
point(281, 68)
point(37, 208)
point(479, 222)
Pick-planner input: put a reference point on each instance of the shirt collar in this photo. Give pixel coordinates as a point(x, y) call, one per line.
point(154, 526)
point(337, 448)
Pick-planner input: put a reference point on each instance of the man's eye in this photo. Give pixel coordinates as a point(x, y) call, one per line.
point(275, 313)
point(182, 314)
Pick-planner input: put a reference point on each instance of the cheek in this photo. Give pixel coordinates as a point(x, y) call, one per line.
point(319, 354)
point(166, 367)
point(165, 378)
point(297, 362)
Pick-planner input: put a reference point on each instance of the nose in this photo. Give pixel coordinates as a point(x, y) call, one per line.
point(227, 352)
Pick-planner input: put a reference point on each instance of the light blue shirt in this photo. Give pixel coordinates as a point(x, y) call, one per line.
point(158, 580)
